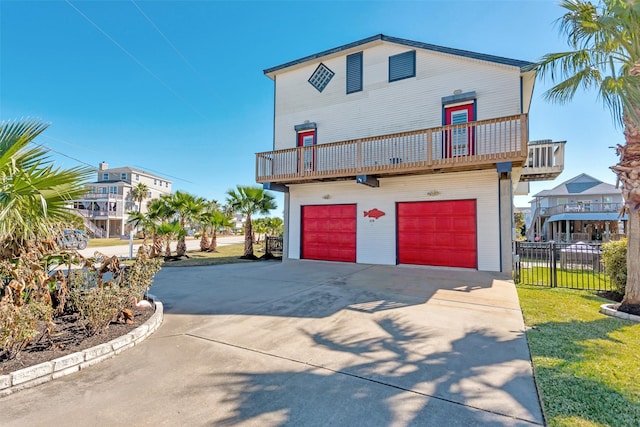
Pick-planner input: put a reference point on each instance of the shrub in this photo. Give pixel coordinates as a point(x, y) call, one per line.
point(614, 257)
point(19, 325)
point(98, 306)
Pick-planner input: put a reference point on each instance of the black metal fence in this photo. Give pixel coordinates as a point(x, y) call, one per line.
point(564, 265)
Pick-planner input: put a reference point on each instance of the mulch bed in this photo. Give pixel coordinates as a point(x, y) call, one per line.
point(617, 297)
point(69, 337)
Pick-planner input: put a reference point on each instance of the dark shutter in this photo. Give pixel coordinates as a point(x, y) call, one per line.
point(354, 72)
point(402, 66)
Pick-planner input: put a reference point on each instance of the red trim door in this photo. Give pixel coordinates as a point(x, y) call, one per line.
point(307, 139)
point(329, 233)
point(440, 233)
point(459, 141)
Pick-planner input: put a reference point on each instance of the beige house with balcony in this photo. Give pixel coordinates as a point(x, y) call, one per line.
point(582, 208)
point(108, 199)
point(392, 151)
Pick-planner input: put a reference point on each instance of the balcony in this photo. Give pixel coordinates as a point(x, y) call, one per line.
point(544, 162)
point(470, 146)
point(581, 208)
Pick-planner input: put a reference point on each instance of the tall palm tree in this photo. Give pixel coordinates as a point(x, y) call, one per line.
point(605, 55)
point(34, 195)
point(139, 193)
point(186, 208)
point(249, 200)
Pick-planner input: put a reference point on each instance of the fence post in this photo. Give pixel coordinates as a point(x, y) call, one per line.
point(554, 271)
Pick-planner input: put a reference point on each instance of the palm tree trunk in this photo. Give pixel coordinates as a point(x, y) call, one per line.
point(181, 248)
point(632, 290)
point(204, 241)
point(248, 238)
point(167, 250)
point(628, 171)
point(214, 241)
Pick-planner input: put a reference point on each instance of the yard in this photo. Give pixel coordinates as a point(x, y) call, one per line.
point(586, 364)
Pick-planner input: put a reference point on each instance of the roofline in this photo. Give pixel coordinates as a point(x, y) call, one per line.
point(451, 51)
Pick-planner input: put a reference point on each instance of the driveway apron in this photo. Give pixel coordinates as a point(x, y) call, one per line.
point(309, 343)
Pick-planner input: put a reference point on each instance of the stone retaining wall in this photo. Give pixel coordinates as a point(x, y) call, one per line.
point(65, 365)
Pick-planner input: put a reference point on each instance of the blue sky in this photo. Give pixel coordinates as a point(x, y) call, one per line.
point(176, 87)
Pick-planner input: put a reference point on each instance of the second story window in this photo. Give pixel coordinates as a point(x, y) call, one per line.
point(113, 189)
point(402, 66)
point(123, 176)
point(103, 190)
point(167, 184)
point(155, 182)
point(105, 176)
point(321, 77)
point(354, 72)
point(137, 177)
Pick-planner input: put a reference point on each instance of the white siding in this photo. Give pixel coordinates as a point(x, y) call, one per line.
point(376, 239)
point(383, 107)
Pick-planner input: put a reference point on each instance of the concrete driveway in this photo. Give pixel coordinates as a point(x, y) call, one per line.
point(309, 344)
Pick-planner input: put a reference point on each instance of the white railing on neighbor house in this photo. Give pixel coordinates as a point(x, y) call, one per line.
point(545, 160)
point(473, 145)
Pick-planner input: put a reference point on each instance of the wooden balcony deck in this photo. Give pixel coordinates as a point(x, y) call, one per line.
point(470, 146)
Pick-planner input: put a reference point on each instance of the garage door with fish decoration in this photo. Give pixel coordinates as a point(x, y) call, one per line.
point(439, 233)
point(329, 232)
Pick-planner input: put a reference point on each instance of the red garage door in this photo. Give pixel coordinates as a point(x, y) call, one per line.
point(329, 233)
point(437, 233)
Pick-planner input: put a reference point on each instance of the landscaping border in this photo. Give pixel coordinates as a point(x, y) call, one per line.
point(75, 362)
point(610, 311)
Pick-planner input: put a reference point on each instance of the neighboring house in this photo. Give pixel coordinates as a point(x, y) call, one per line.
point(108, 199)
point(392, 151)
point(580, 209)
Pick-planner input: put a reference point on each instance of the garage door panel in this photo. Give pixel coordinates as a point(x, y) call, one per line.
point(329, 232)
point(439, 233)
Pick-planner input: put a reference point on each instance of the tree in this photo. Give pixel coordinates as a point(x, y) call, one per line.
point(605, 55)
point(249, 200)
point(139, 193)
point(186, 208)
point(34, 194)
point(157, 213)
point(216, 220)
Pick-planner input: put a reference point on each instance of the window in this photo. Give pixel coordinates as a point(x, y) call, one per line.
point(123, 176)
point(137, 177)
point(167, 184)
point(321, 77)
point(105, 176)
point(354, 72)
point(103, 190)
point(113, 189)
point(155, 182)
point(148, 194)
point(160, 183)
point(402, 66)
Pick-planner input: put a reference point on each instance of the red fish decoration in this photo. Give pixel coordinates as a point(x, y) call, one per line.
point(374, 213)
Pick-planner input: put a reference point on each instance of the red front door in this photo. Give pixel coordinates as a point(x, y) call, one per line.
point(459, 141)
point(307, 139)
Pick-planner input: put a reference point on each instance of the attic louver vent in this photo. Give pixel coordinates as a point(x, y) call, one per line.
point(321, 77)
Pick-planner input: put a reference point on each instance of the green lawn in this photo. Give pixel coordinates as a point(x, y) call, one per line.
point(229, 254)
point(587, 365)
point(583, 279)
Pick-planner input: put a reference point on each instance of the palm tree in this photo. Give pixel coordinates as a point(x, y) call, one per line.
point(216, 220)
point(203, 221)
point(170, 231)
point(249, 200)
point(605, 56)
point(275, 226)
point(34, 195)
point(139, 193)
point(186, 208)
